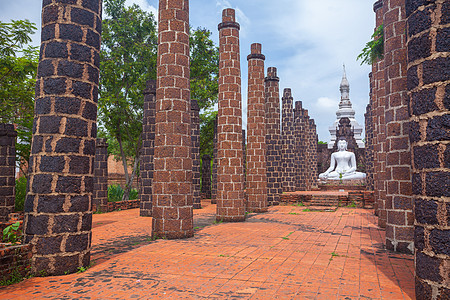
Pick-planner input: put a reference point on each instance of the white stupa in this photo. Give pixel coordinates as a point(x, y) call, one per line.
point(345, 110)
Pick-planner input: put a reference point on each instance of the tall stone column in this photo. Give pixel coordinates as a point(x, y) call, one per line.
point(195, 139)
point(172, 179)
point(256, 133)
point(369, 153)
point(398, 205)
point(313, 144)
point(58, 215)
point(288, 155)
point(429, 90)
point(100, 196)
point(273, 137)
point(379, 135)
point(206, 176)
point(214, 166)
point(230, 174)
point(7, 170)
point(148, 149)
point(244, 160)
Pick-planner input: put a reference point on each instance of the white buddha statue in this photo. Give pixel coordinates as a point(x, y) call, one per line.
point(342, 162)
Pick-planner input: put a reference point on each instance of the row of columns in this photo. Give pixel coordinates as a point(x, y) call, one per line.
point(407, 130)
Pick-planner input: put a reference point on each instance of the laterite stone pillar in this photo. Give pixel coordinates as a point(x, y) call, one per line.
point(379, 124)
point(369, 153)
point(256, 133)
point(195, 139)
point(206, 176)
point(100, 197)
point(7, 170)
point(58, 215)
point(230, 173)
point(288, 155)
point(244, 160)
point(172, 179)
point(214, 166)
point(429, 90)
point(273, 137)
point(398, 205)
point(148, 149)
point(313, 142)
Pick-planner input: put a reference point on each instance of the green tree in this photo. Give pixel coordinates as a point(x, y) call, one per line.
point(204, 83)
point(128, 60)
point(18, 66)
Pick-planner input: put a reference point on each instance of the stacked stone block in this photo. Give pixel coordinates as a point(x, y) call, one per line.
point(288, 138)
point(273, 137)
point(7, 170)
point(398, 204)
point(256, 183)
point(148, 149)
point(313, 139)
point(58, 215)
point(368, 158)
point(100, 196)
point(214, 167)
point(429, 91)
point(195, 139)
point(301, 147)
point(206, 177)
point(379, 128)
point(230, 173)
point(244, 159)
point(172, 178)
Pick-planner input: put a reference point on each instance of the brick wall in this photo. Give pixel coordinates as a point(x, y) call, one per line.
point(7, 170)
point(256, 183)
point(288, 142)
point(429, 90)
point(172, 201)
point(379, 136)
point(195, 139)
point(273, 137)
point(58, 216)
point(230, 173)
point(214, 167)
point(398, 204)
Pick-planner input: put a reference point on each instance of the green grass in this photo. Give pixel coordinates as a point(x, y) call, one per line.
point(287, 236)
point(293, 213)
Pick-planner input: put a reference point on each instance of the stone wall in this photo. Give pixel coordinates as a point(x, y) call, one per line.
point(172, 199)
point(398, 205)
point(58, 215)
point(429, 90)
point(195, 139)
point(148, 149)
point(273, 137)
point(100, 196)
point(288, 142)
point(206, 177)
point(230, 173)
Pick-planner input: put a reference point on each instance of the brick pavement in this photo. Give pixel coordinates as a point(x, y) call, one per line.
point(286, 253)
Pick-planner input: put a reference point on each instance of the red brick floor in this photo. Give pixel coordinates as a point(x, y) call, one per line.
point(286, 253)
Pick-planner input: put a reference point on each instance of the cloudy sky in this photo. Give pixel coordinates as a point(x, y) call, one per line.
point(308, 41)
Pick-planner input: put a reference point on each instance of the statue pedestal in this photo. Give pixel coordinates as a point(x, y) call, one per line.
point(336, 185)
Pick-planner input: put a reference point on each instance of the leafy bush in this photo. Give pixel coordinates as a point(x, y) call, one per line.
point(134, 194)
point(115, 193)
point(12, 233)
point(21, 192)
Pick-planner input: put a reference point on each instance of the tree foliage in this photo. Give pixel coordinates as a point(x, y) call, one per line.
point(18, 66)
point(128, 60)
point(374, 49)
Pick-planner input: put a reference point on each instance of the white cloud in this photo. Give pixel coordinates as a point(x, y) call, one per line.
point(325, 103)
point(143, 4)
